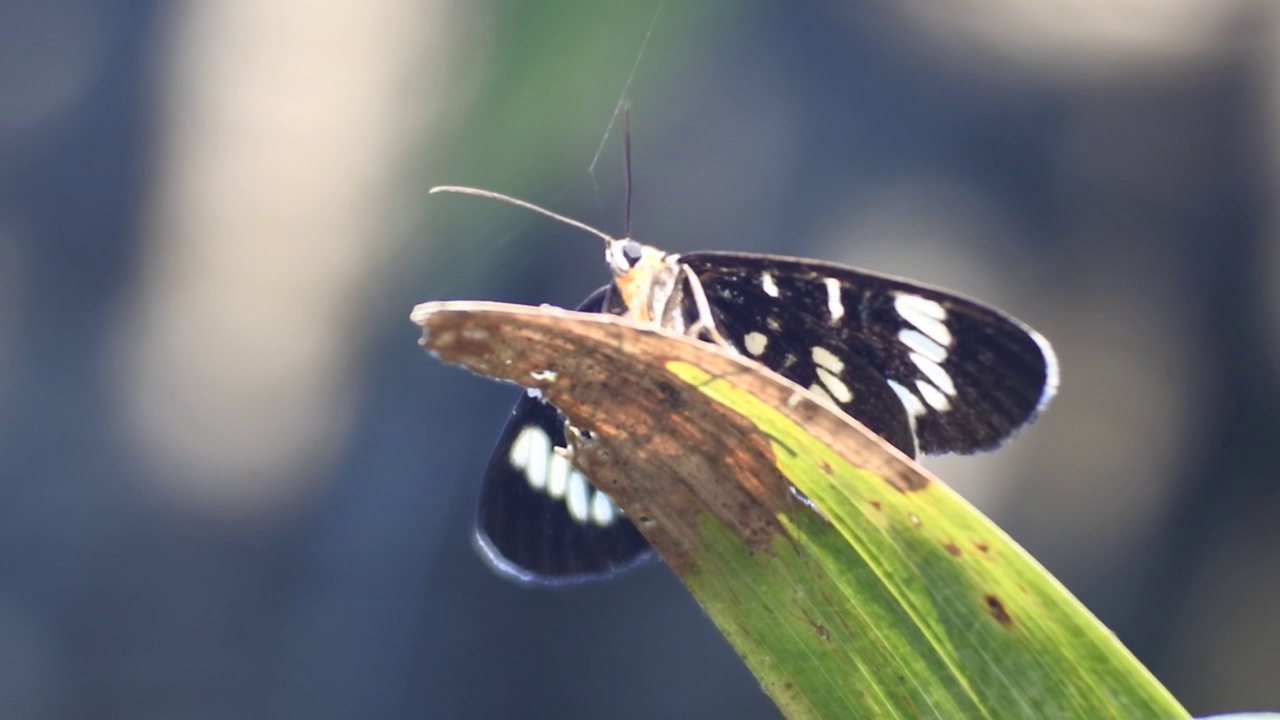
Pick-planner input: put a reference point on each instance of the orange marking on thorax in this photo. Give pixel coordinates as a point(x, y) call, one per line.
point(636, 284)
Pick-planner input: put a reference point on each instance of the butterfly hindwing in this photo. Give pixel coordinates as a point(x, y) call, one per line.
point(539, 519)
point(926, 369)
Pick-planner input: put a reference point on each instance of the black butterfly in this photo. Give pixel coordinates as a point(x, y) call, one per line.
point(927, 370)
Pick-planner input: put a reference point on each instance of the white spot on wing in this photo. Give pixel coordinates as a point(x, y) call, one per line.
point(932, 370)
point(920, 343)
point(576, 499)
point(755, 343)
point(824, 358)
point(530, 452)
point(768, 285)
point(518, 455)
point(834, 304)
point(1051, 370)
point(933, 396)
point(914, 407)
point(926, 315)
point(603, 511)
point(558, 475)
point(923, 305)
point(817, 389)
point(835, 385)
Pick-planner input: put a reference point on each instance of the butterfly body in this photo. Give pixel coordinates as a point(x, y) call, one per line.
point(928, 370)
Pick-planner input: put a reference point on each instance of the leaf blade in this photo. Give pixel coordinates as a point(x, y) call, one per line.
point(875, 592)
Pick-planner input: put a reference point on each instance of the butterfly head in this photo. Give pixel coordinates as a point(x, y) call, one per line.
point(644, 277)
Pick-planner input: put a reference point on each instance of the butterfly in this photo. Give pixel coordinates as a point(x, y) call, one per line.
point(926, 369)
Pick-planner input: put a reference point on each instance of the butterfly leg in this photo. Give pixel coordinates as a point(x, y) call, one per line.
point(705, 322)
point(575, 439)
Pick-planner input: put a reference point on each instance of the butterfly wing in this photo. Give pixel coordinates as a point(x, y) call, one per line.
point(928, 370)
point(540, 520)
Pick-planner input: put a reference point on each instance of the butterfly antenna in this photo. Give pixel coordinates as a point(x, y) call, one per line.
point(626, 160)
point(489, 194)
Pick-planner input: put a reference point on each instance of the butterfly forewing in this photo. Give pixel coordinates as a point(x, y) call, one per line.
point(539, 519)
point(926, 369)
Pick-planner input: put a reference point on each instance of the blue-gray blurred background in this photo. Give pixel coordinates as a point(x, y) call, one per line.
point(232, 486)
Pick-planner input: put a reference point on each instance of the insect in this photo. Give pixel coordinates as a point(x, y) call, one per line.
point(926, 369)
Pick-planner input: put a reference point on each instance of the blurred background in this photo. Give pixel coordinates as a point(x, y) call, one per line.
point(231, 484)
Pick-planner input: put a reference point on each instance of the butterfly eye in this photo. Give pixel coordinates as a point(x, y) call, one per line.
point(631, 253)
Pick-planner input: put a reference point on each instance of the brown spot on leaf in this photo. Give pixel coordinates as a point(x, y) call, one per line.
point(876, 504)
point(818, 627)
point(838, 613)
point(981, 546)
point(670, 396)
point(996, 609)
point(826, 467)
point(952, 549)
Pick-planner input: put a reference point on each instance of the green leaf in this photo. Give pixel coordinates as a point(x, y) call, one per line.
point(851, 582)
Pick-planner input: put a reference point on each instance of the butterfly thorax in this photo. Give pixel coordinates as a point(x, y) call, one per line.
point(649, 282)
